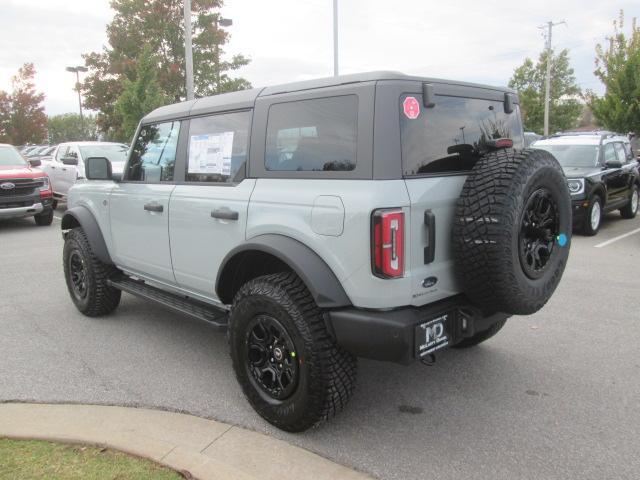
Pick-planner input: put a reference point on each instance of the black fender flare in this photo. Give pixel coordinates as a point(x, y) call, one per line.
point(82, 217)
point(322, 283)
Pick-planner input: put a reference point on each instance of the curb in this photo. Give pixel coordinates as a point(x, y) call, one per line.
point(206, 449)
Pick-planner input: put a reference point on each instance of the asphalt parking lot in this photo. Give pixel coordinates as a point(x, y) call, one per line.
point(554, 395)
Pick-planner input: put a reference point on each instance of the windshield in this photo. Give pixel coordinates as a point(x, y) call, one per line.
point(9, 156)
point(573, 155)
point(116, 153)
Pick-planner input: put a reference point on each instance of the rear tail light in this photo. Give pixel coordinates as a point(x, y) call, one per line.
point(387, 243)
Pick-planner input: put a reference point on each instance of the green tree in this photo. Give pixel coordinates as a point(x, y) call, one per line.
point(68, 128)
point(618, 67)
point(139, 96)
point(529, 80)
point(159, 25)
point(22, 117)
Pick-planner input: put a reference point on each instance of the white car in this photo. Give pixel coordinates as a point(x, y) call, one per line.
point(67, 165)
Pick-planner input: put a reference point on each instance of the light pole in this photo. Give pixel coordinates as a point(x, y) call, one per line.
point(77, 71)
point(188, 51)
point(220, 22)
point(335, 38)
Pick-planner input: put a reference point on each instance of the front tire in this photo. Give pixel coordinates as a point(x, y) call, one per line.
point(290, 370)
point(593, 219)
point(631, 209)
point(87, 277)
point(44, 219)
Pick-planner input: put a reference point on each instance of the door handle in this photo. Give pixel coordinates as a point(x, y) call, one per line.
point(153, 207)
point(64, 169)
point(225, 213)
point(430, 249)
point(52, 167)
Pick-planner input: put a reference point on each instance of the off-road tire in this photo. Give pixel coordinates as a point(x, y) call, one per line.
point(44, 219)
point(481, 336)
point(100, 298)
point(326, 373)
point(587, 230)
point(488, 227)
point(630, 210)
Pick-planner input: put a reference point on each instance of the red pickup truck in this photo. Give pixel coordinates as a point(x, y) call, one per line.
point(24, 191)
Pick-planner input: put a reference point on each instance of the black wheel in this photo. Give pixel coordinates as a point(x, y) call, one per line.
point(481, 336)
point(593, 218)
point(631, 209)
point(511, 235)
point(289, 368)
point(87, 277)
point(44, 219)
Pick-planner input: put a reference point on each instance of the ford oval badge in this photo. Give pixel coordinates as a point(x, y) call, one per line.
point(7, 186)
point(429, 282)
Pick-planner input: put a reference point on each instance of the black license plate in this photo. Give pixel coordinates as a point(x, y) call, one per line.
point(433, 334)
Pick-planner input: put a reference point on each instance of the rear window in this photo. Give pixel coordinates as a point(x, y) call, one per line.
point(451, 136)
point(313, 135)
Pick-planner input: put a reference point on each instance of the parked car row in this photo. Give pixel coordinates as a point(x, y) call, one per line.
point(602, 174)
point(33, 180)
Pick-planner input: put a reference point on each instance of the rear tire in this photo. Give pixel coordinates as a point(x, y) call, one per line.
point(290, 369)
point(481, 336)
point(631, 209)
point(511, 235)
point(87, 277)
point(593, 218)
point(44, 219)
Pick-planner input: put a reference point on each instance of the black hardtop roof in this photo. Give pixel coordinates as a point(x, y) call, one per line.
point(246, 98)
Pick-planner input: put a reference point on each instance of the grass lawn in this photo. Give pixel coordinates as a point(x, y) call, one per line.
point(30, 459)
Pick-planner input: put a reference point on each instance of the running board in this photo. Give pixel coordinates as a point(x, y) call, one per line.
point(193, 308)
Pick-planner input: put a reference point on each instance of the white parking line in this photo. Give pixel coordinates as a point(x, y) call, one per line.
point(57, 218)
point(619, 237)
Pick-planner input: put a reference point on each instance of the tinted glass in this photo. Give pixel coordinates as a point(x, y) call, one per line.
point(10, 156)
point(218, 147)
point(154, 153)
point(622, 156)
point(313, 135)
point(451, 136)
point(572, 155)
point(609, 153)
point(116, 153)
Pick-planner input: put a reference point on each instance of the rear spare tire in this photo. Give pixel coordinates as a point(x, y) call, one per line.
point(511, 234)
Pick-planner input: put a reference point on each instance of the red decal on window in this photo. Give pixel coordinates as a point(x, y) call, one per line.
point(411, 108)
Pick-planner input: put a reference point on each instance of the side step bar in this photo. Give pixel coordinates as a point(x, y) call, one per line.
point(193, 308)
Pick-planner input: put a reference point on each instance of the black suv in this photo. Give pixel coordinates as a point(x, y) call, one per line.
point(602, 175)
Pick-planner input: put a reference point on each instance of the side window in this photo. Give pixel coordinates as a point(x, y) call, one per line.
point(609, 153)
point(154, 153)
point(628, 151)
point(313, 135)
point(62, 151)
point(218, 146)
point(622, 156)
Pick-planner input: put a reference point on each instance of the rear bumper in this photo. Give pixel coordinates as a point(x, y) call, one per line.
point(390, 335)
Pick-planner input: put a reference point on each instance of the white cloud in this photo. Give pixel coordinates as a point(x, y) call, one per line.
point(288, 40)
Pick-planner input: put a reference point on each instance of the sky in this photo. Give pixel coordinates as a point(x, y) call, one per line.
point(289, 40)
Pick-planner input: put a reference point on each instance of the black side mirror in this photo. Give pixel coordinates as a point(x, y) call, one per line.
point(613, 164)
point(35, 162)
point(98, 168)
point(70, 160)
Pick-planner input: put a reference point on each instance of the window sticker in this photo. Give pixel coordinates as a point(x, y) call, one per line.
point(211, 153)
point(411, 108)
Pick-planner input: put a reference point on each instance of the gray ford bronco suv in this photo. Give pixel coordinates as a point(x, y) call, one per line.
point(374, 215)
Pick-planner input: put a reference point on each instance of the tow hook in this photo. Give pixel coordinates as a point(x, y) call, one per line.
point(429, 360)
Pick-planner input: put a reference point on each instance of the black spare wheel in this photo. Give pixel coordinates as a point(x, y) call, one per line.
point(289, 367)
point(511, 234)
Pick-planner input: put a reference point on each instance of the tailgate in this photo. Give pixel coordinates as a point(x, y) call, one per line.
point(433, 201)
